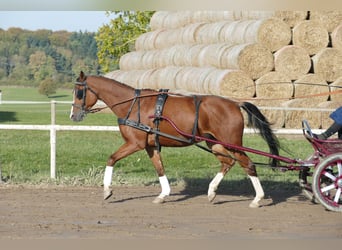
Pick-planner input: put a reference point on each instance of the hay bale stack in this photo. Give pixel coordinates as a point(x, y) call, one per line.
point(328, 62)
point(328, 106)
point(336, 37)
point(274, 85)
point(310, 35)
point(299, 112)
point(292, 18)
point(292, 60)
point(313, 88)
point(336, 90)
point(272, 33)
point(275, 116)
point(329, 19)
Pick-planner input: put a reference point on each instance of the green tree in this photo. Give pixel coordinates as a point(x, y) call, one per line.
point(118, 37)
point(47, 87)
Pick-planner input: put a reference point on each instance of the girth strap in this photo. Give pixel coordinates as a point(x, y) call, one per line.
point(158, 112)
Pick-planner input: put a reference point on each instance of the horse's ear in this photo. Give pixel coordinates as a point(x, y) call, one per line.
point(82, 76)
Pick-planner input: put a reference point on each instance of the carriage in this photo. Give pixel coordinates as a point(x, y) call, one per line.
point(149, 119)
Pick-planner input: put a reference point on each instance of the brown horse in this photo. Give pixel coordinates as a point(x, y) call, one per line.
point(208, 116)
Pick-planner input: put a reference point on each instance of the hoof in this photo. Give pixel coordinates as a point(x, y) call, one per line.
point(107, 194)
point(254, 205)
point(211, 197)
point(158, 200)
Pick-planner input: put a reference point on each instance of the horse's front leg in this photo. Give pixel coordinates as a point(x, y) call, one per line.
point(122, 152)
point(158, 165)
point(227, 162)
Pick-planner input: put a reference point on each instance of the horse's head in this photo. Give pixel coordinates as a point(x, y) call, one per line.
point(83, 99)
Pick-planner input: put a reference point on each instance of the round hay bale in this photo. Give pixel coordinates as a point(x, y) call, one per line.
point(157, 19)
point(146, 41)
point(328, 107)
point(167, 38)
point(134, 60)
point(329, 19)
point(311, 87)
point(272, 33)
point(170, 19)
point(274, 85)
point(188, 34)
point(297, 110)
point(255, 59)
point(233, 32)
point(328, 62)
point(129, 77)
point(209, 33)
point(209, 16)
point(292, 18)
point(192, 79)
point(211, 55)
point(113, 74)
point(336, 90)
point(163, 78)
point(147, 81)
point(310, 35)
point(292, 60)
point(336, 37)
point(275, 116)
point(230, 83)
point(255, 14)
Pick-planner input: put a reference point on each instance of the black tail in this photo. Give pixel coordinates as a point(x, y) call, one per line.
point(257, 120)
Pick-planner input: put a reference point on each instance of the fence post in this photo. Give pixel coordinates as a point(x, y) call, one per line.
point(53, 141)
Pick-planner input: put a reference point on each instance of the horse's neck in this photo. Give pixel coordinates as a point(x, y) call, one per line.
point(114, 94)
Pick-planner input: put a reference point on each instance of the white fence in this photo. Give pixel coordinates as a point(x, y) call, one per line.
point(53, 128)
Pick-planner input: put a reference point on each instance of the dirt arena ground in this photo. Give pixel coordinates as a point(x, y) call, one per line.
point(54, 212)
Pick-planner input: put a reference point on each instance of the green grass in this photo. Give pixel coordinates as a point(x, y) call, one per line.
point(82, 156)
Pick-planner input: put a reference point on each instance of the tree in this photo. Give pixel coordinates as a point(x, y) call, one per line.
point(118, 37)
point(47, 87)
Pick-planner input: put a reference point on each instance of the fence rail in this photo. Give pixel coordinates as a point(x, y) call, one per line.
point(53, 128)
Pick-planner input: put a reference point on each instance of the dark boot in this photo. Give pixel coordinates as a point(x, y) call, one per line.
point(335, 127)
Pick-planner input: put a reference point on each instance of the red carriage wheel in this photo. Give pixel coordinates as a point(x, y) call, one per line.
point(327, 182)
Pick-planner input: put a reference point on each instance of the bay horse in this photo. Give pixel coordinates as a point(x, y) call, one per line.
point(208, 116)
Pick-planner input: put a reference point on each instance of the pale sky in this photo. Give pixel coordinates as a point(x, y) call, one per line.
point(54, 20)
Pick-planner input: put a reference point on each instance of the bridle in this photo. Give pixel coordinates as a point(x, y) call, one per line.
point(82, 95)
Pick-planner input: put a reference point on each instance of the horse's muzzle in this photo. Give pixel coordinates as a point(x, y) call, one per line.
point(77, 117)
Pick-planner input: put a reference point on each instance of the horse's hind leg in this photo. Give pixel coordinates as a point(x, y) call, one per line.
point(155, 157)
point(227, 163)
point(249, 168)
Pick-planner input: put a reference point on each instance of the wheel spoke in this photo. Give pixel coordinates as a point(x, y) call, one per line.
point(337, 195)
point(329, 175)
point(339, 166)
point(328, 188)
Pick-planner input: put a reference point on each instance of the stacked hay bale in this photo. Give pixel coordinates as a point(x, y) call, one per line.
point(289, 60)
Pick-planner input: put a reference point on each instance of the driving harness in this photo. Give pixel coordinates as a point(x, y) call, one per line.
point(160, 102)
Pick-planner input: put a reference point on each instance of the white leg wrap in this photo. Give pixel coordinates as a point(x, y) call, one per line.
point(214, 183)
point(107, 179)
point(259, 192)
point(165, 186)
